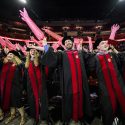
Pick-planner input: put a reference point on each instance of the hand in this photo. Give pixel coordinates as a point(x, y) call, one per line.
point(44, 42)
point(111, 46)
point(39, 43)
point(36, 53)
point(79, 47)
point(24, 14)
point(17, 60)
point(81, 41)
point(44, 28)
point(17, 47)
point(90, 44)
point(86, 50)
point(27, 54)
point(32, 38)
point(89, 38)
point(25, 47)
point(5, 60)
point(115, 28)
point(35, 29)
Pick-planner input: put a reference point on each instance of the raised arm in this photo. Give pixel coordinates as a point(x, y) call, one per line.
point(35, 41)
point(114, 30)
point(35, 29)
point(90, 44)
point(36, 47)
point(9, 44)
point(53, 34)
point(40, 48)
point(20, 49)
point(27, 62)
point(2, 42)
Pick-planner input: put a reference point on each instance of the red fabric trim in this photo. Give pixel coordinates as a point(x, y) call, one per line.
point(8, 88)
point(74, 85)
point(80, 80)
point(118, 90)
point(3, 77)
point(39, 79)
point(108, 82)
point(34, 88)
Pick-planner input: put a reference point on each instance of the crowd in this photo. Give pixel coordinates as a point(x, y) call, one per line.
point(53, 80)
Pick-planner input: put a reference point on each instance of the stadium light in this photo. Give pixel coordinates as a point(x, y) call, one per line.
point(121, 0)
point(23, 1)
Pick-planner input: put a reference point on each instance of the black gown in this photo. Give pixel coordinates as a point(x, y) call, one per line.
point(11, 86)
point(73, 82)
point(109, 70)
point(35, 86)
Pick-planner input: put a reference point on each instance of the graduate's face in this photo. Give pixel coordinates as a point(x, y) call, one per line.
point(103, 46)
point(10, 56)
point(32, 52)
point(68, 44)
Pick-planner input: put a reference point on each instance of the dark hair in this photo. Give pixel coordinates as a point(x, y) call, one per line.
point(97, 43)
point(15, 53)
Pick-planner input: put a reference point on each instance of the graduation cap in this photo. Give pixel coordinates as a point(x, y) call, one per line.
point(28, 49)
point(60, 48)
point(15, 53)
point(67, 38)
point(97, 43)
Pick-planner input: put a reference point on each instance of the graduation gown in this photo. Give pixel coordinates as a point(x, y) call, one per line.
point(34, 78)
point(11, 86)
point(111, 84)
point(1, 64)
point(73, 82)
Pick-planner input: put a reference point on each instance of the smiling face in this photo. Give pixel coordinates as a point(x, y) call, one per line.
point(103, 46)
point(68, 44)
point(10, 56)
point(32, 52)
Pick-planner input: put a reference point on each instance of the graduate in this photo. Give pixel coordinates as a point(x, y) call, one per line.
point(108, 63)
point(73, 81)
point(11, 86)
point(34, 79)
point(1, 62)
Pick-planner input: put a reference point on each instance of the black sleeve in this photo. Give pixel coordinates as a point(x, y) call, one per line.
point(22, 56)
point(90, 61)
point(24, 76)
point(1, 64)
point(2, 55)
point(121, 61)
point(121, 56)
point(25, 80)
point(50, 58)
